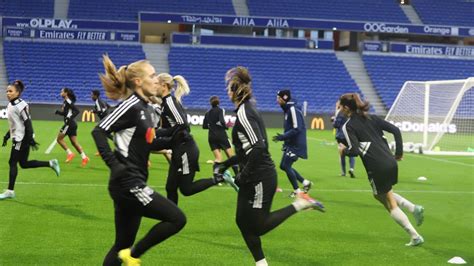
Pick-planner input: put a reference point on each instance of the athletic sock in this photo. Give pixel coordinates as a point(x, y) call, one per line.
point(306, 182)
point(401, 218)
point(83, 155)
point(262, 262)
point(404, 203)
point(68, 151)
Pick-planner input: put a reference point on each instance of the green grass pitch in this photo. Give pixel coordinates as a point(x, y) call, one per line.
point(68, 220)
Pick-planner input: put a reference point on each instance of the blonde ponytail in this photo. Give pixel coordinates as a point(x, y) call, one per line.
point(182, 87)
point(118, 84)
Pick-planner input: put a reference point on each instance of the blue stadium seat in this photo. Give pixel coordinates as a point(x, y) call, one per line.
point(27, 8)
point(317, 77)
point(128, 9)
point(364, 10)
point(45, 70)
point(445, 12)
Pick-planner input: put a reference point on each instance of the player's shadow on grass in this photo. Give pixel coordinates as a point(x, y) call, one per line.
point(286, 259)
point(232, 247)
point(373, 205)
point(68, 210)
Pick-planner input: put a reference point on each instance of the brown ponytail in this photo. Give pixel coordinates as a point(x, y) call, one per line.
point(355, 104)
point(239, 81)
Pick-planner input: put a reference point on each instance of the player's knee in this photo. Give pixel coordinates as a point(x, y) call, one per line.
point(284, 166)
point(186, 191)
point(180, 220)
point(23, 164)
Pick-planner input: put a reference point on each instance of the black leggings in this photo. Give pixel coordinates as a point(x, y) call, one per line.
point(183, 167)
point(185, 183)
point(254, 218)
point(129, 210)
point(19, 154)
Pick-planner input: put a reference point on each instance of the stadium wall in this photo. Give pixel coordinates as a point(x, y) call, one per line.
point(195, 117)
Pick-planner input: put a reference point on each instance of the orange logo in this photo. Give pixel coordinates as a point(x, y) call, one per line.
point(150, 135)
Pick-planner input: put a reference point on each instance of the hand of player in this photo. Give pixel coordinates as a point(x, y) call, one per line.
point(34, 145)
point(218, 177)
point(218, 168)
point(277, 137)
point(57, 112)
point(5, 140)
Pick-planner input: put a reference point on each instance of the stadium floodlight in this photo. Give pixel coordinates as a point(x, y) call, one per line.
point(436, 115)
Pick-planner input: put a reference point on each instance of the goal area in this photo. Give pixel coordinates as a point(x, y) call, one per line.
point(436, 117)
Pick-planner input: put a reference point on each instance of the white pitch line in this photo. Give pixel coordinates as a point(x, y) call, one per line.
point(417, 156)
point(440, 160)
point(318, 190)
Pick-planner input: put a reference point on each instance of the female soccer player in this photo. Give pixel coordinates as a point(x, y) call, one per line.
point(214, 121)
point(133, 125)
point(294, 139)
point(101, 108)
point(69, 111)
point(338, 121)
point(365, 138)
point(21, 132)
point(185, 153)
point(257, 177)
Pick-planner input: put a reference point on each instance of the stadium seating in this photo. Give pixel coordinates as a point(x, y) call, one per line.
point(445, 12)
point(388, 73)
point(365, 10)
point(47, 67)
point(317, 77)
point(27, 8)
point(128, 9)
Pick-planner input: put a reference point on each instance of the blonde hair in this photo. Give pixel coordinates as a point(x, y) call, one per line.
point(239, 81)
point(118, 83)
point(182, 87)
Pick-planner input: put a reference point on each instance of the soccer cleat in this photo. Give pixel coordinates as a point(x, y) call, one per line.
point(351, 173)
point(55, 166)
point(127, 259)
point(293, 194)
point(418, 214)
point(70, 157)
point(415, 242)
point(229, 179)
point(312, 203)
point(84, 162)
point(307, 187)
point(7, 194)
